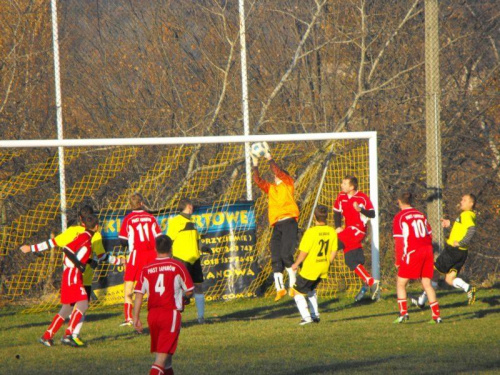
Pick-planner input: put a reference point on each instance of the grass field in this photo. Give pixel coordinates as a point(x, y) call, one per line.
point(259, 336)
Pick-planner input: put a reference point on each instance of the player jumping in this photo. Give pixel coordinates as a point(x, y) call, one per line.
point(283, 215)
point(356, 208)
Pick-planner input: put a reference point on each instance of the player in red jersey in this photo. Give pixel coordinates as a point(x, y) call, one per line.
point(76, 255)
point(357, 209)
point(166, 281)
point(138, 231)
point(414, 255)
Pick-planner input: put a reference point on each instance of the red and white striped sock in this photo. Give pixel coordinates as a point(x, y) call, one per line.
point(435, 310)
point(127, 309)
point(76, 315)
point(57, 322)
point(364, 274)
point(156, 370)
point(403, 306)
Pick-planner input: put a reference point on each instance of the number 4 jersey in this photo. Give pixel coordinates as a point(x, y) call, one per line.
point(164, 281)
point(319, 243)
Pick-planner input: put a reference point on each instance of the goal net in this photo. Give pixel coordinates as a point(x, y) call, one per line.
point(211, 171)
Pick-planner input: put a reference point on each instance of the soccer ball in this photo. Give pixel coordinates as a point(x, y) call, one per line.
point(258, 149)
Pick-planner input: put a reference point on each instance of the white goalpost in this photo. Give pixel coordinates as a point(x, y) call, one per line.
point(370, 137)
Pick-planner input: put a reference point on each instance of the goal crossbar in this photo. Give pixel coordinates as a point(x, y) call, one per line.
point(183, 140)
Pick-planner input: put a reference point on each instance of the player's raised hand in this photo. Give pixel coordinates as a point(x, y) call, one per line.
point(267, 155)
point(25, 249)
point(138, 325)
point(255, 160)
point(445, 223)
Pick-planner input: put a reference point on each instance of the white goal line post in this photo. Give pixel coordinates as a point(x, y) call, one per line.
point(371, 136)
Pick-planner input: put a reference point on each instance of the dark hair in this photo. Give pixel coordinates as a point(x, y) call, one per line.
point(321, 213)
point(163, 244)
point(352, 180)
point(136, 201)
point(90, 221)
point(473, 199)
point(406, 197)
point(183, 203)
point(85, 210)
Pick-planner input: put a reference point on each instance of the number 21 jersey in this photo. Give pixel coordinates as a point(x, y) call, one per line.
point(318, 242)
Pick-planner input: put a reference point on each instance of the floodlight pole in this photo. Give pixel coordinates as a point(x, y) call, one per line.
point(57, 76)
point(244, 98)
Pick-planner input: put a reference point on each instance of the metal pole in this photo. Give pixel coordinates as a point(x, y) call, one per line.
point(244, 98)
point(57, 76)
point(433, 131)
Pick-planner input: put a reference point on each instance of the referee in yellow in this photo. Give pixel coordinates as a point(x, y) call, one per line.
point(317, 250)
point(186, 248)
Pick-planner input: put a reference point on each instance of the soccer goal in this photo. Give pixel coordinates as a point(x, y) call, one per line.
point(213, 171)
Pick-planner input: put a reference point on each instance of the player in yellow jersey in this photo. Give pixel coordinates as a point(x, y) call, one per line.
point(186, 248)
point(317, 250)
point(67, 237)
point(454, 255)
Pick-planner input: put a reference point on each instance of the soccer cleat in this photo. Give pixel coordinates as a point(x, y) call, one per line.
point(46, 342)
point(402, 319)
point(316, 319)
point(201, 320)
point(361, 293)
point(436, 321)
point(414, 301)
point(471, 295)
point(375, 290)
point(72, 341)
point(303, 322)
point(280, 294)
point(127, 323)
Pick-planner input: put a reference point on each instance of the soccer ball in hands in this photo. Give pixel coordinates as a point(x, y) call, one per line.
point(259, 149)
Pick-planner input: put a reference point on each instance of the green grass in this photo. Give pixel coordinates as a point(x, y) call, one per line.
point(259, 336)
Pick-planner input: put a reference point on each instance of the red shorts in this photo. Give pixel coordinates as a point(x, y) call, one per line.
point(72, 289)
point(164, 329)
point(417, 263)
point(351, 237)
point(136, 263)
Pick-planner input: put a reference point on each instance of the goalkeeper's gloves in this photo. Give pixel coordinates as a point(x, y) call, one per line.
point(267, 155)
point(255, 160)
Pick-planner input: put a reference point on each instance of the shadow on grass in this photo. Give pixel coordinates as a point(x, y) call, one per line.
point(88, 318)
point(129, 335)
point(349, 365)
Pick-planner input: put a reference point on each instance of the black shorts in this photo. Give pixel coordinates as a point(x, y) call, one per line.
point(451, 259)
point(353, 258)
point(305, 286)
point(194, 270)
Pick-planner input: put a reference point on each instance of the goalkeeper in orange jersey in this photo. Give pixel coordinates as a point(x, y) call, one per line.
point(283, 215)
point(67, 237)
point(74, 297)
point(317, 250)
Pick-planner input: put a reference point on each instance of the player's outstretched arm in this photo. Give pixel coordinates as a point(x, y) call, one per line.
point(259, 181)
point(42, 246)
